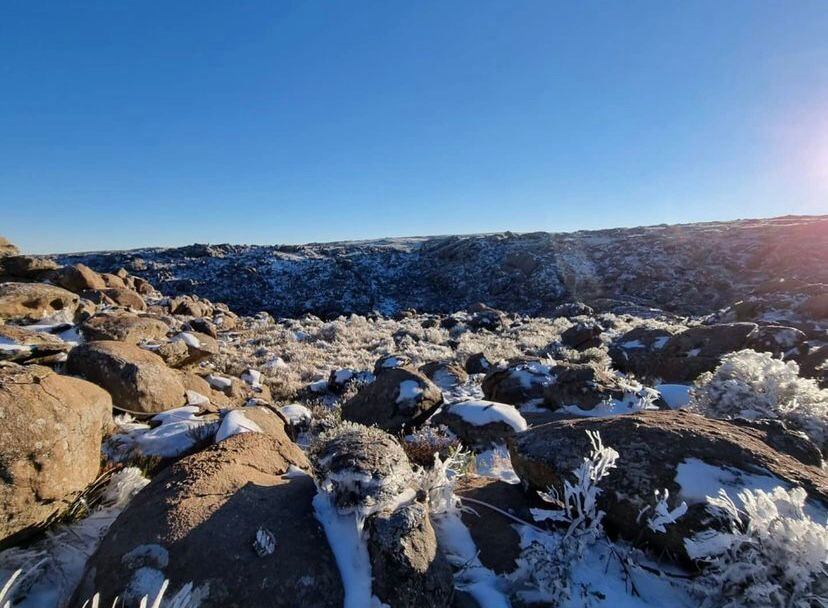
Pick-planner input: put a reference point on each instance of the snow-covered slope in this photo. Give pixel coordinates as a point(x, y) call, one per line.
point(689, 269)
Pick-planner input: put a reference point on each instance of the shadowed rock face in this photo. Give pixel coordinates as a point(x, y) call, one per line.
point(689, 269)
point(197, 522)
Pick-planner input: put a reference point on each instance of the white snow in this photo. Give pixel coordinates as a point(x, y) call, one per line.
point(189, 339)
point(296, 414)
point(630, 404)
point(53, 566)
point(409, 389)
point(660, 342)
point(195, 398)
point(698, 480)
point(471, 576)
point(341, 376)
point(318, 386)
point(481, 412)
point(234, 423)
point(219, 382)
point(677, 396)
point(253, 378)
point(496, 463)
point(632, 344)
point(350, 551)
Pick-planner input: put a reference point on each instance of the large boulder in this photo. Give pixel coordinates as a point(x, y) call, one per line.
point(397, 399)
point(585, 386)
point(138, 380)
point(124, 327)
point(191, 307)
point(361, 468)
point(689, 455)
point(21, 344)
point(518, 383)
point(485, 317)
point(477, 364)
point(815, 307)
point(582, 336)
point(813, 363)
point(50, 444)
point(125, 298)
point(78, 278)
point(699, 349)
point(231, 521)
point(478, 423)
point(407, 567)
point(23, 303)
point(28, 266)
point(775, 339)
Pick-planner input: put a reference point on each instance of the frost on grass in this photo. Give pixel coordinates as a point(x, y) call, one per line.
point(755, 385)
point(293, 353)
point(770, 554)
point(52, 567)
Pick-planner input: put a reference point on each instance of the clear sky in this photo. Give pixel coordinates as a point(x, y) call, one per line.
point(132, 123)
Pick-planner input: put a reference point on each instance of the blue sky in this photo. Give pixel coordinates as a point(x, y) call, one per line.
point(128, 123)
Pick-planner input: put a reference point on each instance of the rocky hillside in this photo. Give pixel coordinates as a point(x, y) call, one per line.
point(688, 269)
point(163, 449)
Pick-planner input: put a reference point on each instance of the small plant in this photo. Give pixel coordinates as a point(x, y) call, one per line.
point(770, 554)
point(580, 499)
point(427, 442)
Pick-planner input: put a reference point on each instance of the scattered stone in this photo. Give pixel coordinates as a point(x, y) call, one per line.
point(391, 362)
point(362, 468)
point(138, 380)
point(480, 424)
point(477, 364)
point(24, 345)
point(7, 248)
point(79, 278)
point(582, 336)
point(397, 399)
point(125, 327)
point(518, 383)
point(28, 266)
point(407, 566)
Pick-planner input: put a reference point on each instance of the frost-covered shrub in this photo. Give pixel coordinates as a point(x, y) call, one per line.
point(772, 553)
point(545, 564)
point(429, 441)
point(580, 499)
point(755, 385)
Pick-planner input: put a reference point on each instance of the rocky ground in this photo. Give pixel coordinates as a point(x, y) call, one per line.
point(620, 418)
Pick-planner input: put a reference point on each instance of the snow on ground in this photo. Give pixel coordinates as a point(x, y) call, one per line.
point(677, 396)
point(350, 550)
point(471, 576)
point(496, 463)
